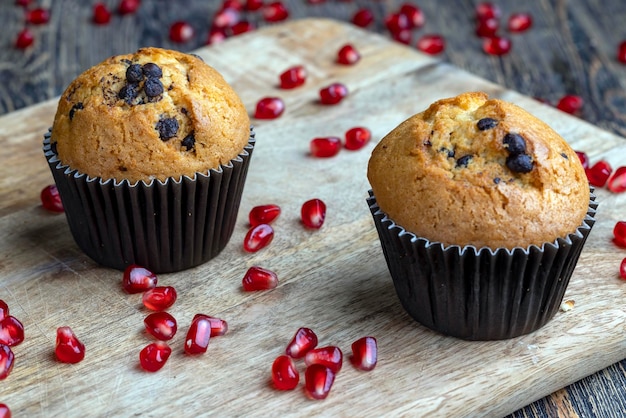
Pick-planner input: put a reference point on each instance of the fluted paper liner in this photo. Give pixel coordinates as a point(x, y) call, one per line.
point(165, 226)
point(479, 293)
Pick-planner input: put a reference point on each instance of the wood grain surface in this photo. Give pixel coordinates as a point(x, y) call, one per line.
point(334, 280)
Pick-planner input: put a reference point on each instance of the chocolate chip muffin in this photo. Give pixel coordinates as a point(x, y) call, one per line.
point(150, 153)
point(482, 211)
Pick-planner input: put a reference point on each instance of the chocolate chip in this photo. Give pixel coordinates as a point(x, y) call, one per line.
point(427, 143)
point(564, 155)
point(126, 61)
point(497, 180)
point(486, 123)
point(167, 128)
point(450, 152)
point(134, 73)
point(77, 106)
point(153, 87)
point(519, 163)
point(463, 161)
point(514, 143)
point(184, 110)
point(128, 93)
point(189, 142)
point(151, 70)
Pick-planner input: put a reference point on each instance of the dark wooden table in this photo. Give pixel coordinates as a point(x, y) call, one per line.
point(571, 49)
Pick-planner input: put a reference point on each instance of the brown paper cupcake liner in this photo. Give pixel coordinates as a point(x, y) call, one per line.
point(479, 293)
point(165, 226)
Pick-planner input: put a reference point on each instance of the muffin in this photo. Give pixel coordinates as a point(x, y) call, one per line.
point(150, 153)
point(482, 211)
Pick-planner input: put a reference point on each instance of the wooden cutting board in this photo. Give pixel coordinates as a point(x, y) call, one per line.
point(334, 280)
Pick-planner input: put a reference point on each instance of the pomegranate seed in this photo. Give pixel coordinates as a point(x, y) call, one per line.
point(333, 94)
point(621, 52)
point(101, 14)
point(520, 22)
point(617, 182)
point(38, 16)
point(487, 10)
point(313, 213)
point(232, 4)
point(622, 272)
point(364, 353)
point(242, 27)
point(356, 138)
point(348, 55)
point(584, 159)
point(269, 108)
point(5, 412)
point(324, 147)
point(329, 356)
point(396, 22)
point(496, 45)
point(23, 3)
point(181, 32)
point(226, 18)
point(68, 348)
point(161, 325)
point(258, 237)
point(263, 214)
point(257, 278)
point(128, 6)
point(318, 380)
point(284, 373)
point(137, 279)
point(487, 27)
point(11, 331)
point(293, 77)
point(619, 233)
point(219, 327)
point(50, 199)
point(570, 103)
point(198, 336)
point(153, 356)
point(302, 342)
point(6, 361)
point(431, 44)
point(363, 18)
point(404, 36)
point(4, 310)
point(275, 12)
point(159, 298)
point(215, 36)
point(599, 173)
point(24, 39)
point(414, 14)
point(253, 5)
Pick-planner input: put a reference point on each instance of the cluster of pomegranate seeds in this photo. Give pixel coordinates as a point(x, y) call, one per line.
point(488, 23)
point(269, 108)
point(263, 214)
point(137, 279)
point(68, 348)
point(292, 77)
point(258, 237)
point(333, 94)
point(5, 412)
point(161, 325)
point(7, 360)
point(101, 14)
point(357, 138)
point(275, 12)
point(198, 336)
point(363, 18)
point(51, 199)
point(181, 32)
point(284, 373)
point(348, 55)
point(431, 44)
point(154, 356)
point(313, 213)
point(258, 278)
point(570, 103)
point(364, 353)
point(159, 298)
point(325, 147)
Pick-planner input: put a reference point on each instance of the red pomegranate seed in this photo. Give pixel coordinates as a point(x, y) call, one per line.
point(333, 94)
point(137, 279)
point(269, 108)
point(215, 36)
point(619, 233)
point(363, 18)
point(348, 55)
point(275, 12)
point(68, 348)
point(181, 32)
point(258, 237)
point(313, 213)
point(404, 36)
point(622, 271)
point(24, 39)
point(364, 353)
point(127, 7)
point(159, 298)
point(599, 173)
point(570, 103)
point(414, 14)
point(50, 199)
point(396, 22)
point(486, 28)
point(520, 22)
point(6, 361)
point(232, 4)
point(584, 159)
point(284, 373)
point(431, 44)
point(226, 18)
point(4, 310)
point(487, 10)
point(617, 182)
point(357, 138)
point(621, 52)
point(324, 147)
point(263, 214)
point(242, 27)
point(329, 356)
point(302, 342)
point(23, 3)
point(318, 380)
point(101, 14)
point(258, 278)
point(198, 336)
point(497, 45)
point(161, 325)
point(293, 77)
point(5, 412)
point(38, 16)
point(252, 5)
point(219, 327)
point(153, 356)
point(11, 331)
